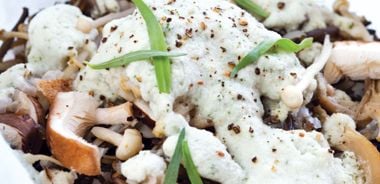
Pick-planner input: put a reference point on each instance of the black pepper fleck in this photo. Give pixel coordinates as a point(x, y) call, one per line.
point(280, 5)
point(257, 71)
point(254, 159)
point(178, 43)
point(113, 28)
point(104, 39)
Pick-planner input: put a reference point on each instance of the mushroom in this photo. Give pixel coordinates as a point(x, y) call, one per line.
point(368, 108)
point(292, 95)
point(340, 132)
point(334, 100)
point(21, 127)
point(71, 115)
point(357, 60)
point(24, 104)
point(55, 176)
point(128, 144)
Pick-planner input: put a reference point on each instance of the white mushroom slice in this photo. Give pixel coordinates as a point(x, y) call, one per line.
point(128, 144)
point(71, 115)
point(144, 168)
point(357, 60)
point(340, 132)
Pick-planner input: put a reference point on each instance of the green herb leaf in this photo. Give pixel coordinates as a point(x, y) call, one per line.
point(171, 174)
point(157, 42)
point(283, 44)
point(288, 45)
point(252, 8)
point(189, 165)
point(140, 55)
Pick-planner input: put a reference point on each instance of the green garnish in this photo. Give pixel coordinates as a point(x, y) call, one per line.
point(157, 42)
point(282, 44)
point(191, 170)
point(132, 57)
point(171, 174)
point(182, 150)
point(252, 8)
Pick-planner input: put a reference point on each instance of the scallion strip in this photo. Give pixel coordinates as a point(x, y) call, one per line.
point(252, 8)
point(157, 42)
point(283, 44)
point(126, 59)
point(171, 173)
point(191, 170)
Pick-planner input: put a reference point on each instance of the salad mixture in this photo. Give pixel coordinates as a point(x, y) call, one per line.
point(192, 91)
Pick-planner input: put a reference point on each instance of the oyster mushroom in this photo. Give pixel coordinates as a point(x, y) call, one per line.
point(340, 132)
point(357, 60)
point(128, 144)
point(21, 127)
point(71, 115)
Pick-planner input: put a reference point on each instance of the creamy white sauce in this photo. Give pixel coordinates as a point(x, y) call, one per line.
point(210, 33)
point(213, 160)
point(53, 37)
point(144, 166)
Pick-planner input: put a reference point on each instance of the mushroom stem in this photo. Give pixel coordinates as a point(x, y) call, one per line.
point(107, 135)
point(115, 115)
point(292, 95)
point(4, 35)
point(31, 158)
point(128, 144)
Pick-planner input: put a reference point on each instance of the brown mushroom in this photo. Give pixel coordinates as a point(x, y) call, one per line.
point(340, 132)
point(71, 115)
point(334, 100)
point(369, 106)
point(27, 129)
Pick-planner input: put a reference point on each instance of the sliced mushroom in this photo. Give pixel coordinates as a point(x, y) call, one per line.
point(340, 132)
point(357, 60)
point(71, 115)
point(128, 144)
point(26, 128)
